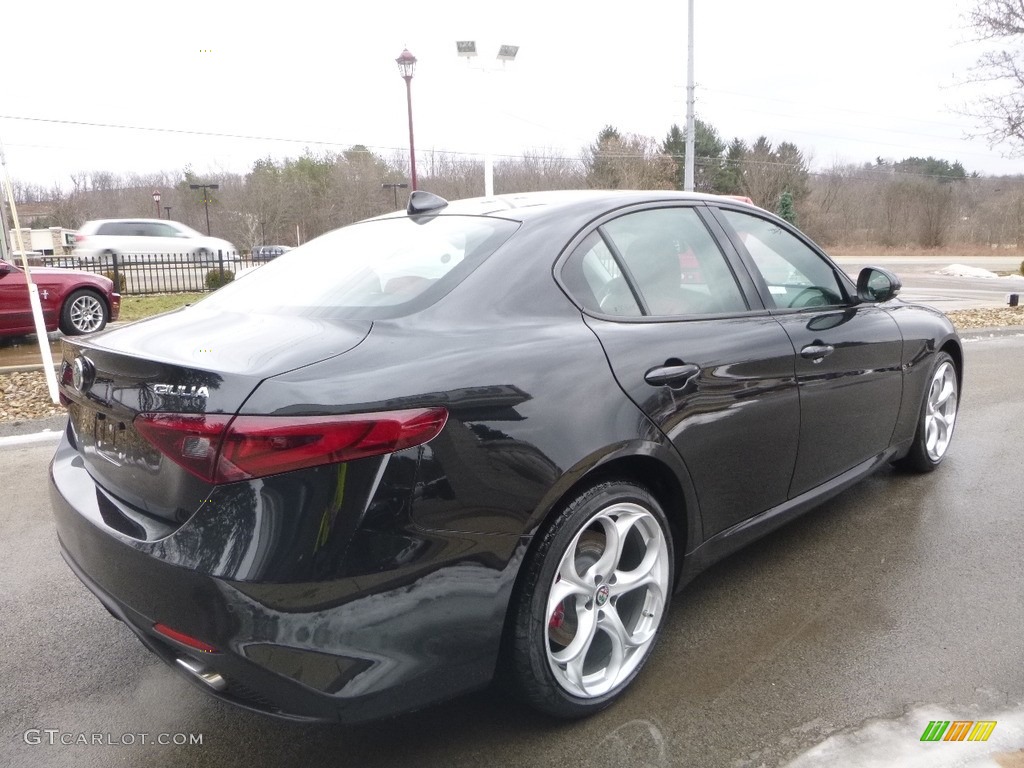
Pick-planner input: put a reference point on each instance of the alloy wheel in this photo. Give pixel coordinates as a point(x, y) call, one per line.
point(940, 413)
point(86, 313)
point(606, 601)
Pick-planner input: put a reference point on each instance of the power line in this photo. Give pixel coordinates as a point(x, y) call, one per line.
point(818, 106)
point(465, 156)
point(188, 132)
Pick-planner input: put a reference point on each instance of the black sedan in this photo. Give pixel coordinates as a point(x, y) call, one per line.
point(491, 436)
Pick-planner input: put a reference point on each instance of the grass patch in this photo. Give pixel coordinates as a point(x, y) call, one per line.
point(138, 307)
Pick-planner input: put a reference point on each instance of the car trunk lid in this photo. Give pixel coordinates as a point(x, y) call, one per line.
point(202, 364)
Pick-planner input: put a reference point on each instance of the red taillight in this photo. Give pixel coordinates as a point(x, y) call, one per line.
point(79, 238)
point(220, 449)
point(184, 639)
point(193, 441)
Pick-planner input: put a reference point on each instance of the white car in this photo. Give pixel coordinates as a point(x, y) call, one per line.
point(128, 238)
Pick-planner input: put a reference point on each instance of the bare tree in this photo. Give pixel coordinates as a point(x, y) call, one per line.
point(766, 173)
point(1001, 111)
point(628, 162)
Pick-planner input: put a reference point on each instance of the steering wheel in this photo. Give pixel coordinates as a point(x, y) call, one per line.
point(811, 296)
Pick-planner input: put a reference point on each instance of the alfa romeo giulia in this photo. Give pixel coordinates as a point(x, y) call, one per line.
point(486, 438)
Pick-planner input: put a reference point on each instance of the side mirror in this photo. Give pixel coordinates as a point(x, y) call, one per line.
point(876, 285)
point(5, 268)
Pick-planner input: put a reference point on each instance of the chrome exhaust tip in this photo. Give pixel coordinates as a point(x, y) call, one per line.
point(212, 679)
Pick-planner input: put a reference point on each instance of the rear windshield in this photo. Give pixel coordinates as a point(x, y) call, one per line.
point(371, 270)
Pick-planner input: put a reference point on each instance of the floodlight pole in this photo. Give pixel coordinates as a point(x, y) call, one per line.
point(395, 187)
point(688, 160)
point(206, 200)
point(506, 53)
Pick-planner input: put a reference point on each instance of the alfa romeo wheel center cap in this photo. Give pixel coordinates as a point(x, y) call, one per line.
point(601, 596)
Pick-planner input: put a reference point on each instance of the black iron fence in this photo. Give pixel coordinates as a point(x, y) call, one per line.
point(136, 274)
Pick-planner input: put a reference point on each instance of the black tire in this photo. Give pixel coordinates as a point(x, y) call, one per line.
point(202, 255)
point(84, 311)
point(563, 654)
point(937, 418)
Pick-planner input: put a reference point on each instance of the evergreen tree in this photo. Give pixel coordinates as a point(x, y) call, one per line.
point(786, 209)
point(674, 146)
point(707, 154)
point(729, 180)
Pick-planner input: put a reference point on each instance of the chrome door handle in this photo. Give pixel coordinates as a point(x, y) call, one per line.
point(816, 351)
point(675, 376)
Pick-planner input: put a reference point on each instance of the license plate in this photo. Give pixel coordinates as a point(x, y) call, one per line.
point(98, 430)
point(109, 435)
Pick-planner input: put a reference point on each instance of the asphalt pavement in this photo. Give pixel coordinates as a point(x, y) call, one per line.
point(834, 641)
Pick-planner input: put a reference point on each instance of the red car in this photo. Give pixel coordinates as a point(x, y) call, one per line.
point(76, 302)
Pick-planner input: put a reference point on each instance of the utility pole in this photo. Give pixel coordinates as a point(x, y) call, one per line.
point(688, 162)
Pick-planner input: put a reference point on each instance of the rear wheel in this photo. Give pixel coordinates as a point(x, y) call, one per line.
point(84, 311)
point(592, 602)
point(938, 415)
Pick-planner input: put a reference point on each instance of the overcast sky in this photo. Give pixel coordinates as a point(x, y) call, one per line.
point(846, 82)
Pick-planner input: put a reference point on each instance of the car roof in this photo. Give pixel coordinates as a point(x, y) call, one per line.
point(521, 206)
point(148, 221)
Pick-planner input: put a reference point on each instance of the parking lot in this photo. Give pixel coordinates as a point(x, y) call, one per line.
point(836, 638)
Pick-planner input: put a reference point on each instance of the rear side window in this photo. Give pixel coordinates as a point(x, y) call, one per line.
point(670, 266)
point(371, 270)
point(593, 276)
point(115, 228)
point(159, 230)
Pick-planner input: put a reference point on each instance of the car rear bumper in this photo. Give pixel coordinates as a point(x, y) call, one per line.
point(344, 649)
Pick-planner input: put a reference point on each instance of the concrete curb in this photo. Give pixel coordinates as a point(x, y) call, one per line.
point(996, 332)
point(25, 368)
point(13, 441)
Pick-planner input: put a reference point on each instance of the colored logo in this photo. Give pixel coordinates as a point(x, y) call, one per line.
point(958, 730)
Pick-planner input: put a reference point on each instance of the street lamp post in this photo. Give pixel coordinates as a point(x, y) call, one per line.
point(156, 199)
point(506, 53)
point(206, 199)
point(406, 67)
point(394, 187)
point(168, 209)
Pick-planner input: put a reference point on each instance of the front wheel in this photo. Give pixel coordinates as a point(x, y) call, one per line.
point(938, 415)
point(83, 312)
point(593, 598)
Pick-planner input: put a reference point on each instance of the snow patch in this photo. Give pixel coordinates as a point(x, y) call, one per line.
point(886, 743)
point(962, 270)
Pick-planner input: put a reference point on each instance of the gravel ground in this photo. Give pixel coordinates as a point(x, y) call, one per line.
point(23, 396)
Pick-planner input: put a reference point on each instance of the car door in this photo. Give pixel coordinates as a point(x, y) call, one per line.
point(156, 239)
point(849, 354)
point(15, 309)
point(701, 356)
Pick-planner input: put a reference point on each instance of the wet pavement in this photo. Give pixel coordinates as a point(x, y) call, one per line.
point(24, 351)
point(832, 642)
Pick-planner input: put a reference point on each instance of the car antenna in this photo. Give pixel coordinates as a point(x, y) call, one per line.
point(424, 202)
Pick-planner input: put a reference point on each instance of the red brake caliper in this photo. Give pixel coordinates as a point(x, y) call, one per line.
point(557, 617)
